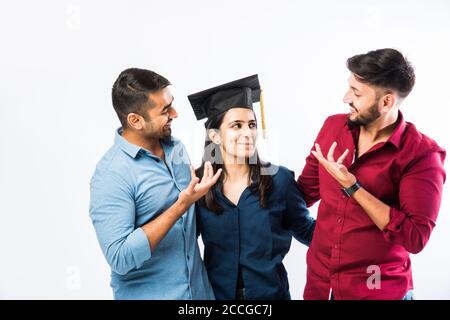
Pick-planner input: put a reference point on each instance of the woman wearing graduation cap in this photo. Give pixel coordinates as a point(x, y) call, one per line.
point(248, 218)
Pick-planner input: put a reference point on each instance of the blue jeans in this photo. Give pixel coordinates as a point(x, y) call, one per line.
point(409, 295)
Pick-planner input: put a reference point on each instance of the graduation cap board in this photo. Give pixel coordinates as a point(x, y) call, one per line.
point(240, 93)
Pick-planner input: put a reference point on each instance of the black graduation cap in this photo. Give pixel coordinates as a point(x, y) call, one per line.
point(240, 93)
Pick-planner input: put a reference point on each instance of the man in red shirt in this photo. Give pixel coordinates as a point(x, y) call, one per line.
point(380, 181)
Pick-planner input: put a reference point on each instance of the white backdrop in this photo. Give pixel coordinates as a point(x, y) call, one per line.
point(60, 58)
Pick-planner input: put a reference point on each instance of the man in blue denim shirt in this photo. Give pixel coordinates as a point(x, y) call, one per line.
point(142, 195)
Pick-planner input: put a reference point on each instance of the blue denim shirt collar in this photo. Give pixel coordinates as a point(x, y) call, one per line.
point(131, 149)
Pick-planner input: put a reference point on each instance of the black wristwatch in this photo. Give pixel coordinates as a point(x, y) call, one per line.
point(351, 190)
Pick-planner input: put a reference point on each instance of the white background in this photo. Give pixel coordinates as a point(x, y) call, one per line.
point(60, 58)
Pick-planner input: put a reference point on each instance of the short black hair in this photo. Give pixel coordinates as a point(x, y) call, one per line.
point(131, 89)
point(386, 68)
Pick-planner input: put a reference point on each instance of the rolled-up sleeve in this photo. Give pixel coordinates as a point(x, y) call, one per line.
point(112, 210)
point(420, 193)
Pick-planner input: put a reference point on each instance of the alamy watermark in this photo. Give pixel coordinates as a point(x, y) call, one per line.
point(374, 280)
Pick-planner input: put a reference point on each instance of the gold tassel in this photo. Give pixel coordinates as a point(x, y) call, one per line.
point(263, 121)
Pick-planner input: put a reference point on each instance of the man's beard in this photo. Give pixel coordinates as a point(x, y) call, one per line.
point(161, 134)
point(363, 120)
point(166, 134)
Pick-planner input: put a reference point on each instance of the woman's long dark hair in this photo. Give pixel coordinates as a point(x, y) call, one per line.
point(260, 183)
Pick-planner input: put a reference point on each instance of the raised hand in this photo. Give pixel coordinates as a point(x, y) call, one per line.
point(196, 188)
point(335, 168)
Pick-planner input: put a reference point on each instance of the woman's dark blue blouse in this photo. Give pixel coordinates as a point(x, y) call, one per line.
point(254, 239)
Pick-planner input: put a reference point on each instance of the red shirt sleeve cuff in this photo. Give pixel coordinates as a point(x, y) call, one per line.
point(395, 223)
